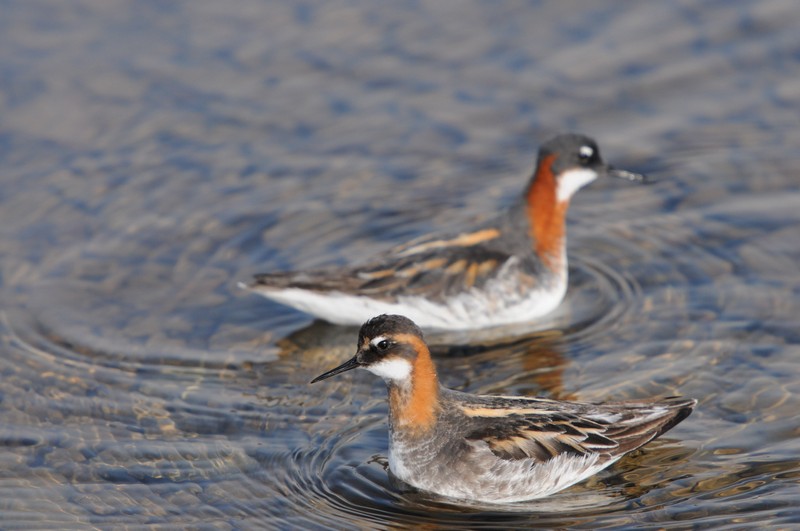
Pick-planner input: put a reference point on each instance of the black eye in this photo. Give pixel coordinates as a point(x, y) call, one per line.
point(383, 345)
point(585, 154)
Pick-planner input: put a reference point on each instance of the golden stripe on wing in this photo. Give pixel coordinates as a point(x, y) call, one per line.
point(502, 412)
point(462, 240)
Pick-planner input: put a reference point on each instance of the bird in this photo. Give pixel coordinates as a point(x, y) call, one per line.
point(494, 449)
point(509, 270)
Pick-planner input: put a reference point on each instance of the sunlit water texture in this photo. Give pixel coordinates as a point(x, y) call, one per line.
point(152, 154)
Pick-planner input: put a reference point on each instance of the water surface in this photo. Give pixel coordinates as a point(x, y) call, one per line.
point(152, 155)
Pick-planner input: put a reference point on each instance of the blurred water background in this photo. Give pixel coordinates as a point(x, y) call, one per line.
point(152, 154)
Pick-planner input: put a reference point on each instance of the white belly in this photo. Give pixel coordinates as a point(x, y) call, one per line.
point(500, 303)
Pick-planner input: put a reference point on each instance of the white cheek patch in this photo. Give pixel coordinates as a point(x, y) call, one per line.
point(395, 369)
point(572, 181)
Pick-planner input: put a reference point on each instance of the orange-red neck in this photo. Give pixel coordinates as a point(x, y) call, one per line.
point(414, 407)
point(546, 215)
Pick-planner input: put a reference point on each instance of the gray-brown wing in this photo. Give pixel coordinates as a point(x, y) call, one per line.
point(544, 437)
point(435, 268)
point(544, 429)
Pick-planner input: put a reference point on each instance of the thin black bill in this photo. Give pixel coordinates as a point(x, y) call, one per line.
point(629, 176)
point(350, 364)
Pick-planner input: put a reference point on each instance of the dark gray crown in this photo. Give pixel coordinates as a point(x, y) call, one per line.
point(570, 152)
point(383, 325)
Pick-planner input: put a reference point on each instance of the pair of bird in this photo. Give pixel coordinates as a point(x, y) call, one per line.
point(495, 449)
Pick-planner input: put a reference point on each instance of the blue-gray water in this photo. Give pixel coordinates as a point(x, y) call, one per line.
point(152, 154)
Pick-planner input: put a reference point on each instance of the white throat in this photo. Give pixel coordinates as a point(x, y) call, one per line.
point(394, 369)
point(573, 180)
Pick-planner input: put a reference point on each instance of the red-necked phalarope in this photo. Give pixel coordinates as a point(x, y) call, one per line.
point(496, 449)
point(510, 270)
